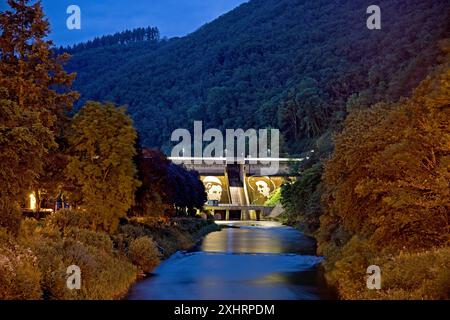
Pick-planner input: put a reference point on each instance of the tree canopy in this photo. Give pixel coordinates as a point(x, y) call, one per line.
point(101, 163)
point(34, 95)
point(289, 64)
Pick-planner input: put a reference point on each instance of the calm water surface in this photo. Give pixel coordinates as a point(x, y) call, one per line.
point(252, 260)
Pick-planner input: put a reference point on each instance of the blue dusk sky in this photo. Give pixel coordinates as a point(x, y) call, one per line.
point(172, 17)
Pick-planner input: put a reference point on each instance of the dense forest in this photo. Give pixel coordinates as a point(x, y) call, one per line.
point(291, 64)
point(149, 34)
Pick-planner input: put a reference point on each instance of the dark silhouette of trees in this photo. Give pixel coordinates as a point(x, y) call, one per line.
point(167, 189)
point(149, 34)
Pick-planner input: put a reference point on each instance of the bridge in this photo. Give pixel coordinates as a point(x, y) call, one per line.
point(238, 190)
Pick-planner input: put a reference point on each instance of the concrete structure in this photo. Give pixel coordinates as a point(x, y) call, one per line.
point(239, 188)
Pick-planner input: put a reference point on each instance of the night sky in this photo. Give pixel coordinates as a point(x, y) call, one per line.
point(172, 17)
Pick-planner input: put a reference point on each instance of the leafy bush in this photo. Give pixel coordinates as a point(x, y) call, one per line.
point(103, 276)
point(56, 244)
point(49, 255)
point(301, 200)
point(65, 218)
point(10, 216)
point(19, 274)
point(418, 275)
point(274, 198)
point(99, 240)
point(421, 275)
point(35, 267)
point(144, 254)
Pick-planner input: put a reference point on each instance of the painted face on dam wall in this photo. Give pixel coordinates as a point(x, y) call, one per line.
point(263, 188)
point(214, 187)
point(214, 192)
point(260, 188)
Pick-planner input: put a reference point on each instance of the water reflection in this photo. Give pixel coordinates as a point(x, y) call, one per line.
point(258, 237)
point(254, 261)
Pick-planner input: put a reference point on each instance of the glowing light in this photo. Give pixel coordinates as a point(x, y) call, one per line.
point(32, 201)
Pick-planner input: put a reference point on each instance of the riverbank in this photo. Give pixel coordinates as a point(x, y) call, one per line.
point(34, 263)
point(419, 274)
point(169, 236)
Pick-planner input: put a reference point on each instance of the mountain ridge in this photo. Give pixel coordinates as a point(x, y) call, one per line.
point(294, 65)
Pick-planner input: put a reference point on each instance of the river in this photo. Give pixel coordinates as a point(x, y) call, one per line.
point(249, 260)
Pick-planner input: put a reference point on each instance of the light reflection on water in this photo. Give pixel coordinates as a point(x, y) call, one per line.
point(263, 260)
point(258, 237)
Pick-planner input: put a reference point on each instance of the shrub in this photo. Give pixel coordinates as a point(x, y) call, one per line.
point(421, 275)
point(19, 274)
point(103, 276)
point(143, 253)
point(63, 219)
point(105, 273)
point(99, 240)
point(10, 216)
point(126, 234)
point(53, 269)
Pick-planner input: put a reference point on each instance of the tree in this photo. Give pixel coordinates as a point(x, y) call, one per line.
point(301, 199)
point(186, 190)
point(152, 197)
point(303, 114)
point(101, 163)
point(388, 180)
point(34, 95)
point(166, 188)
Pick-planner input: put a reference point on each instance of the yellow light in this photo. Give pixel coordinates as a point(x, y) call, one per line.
point(32, 201)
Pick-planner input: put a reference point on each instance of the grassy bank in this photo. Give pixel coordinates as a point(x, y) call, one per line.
point(34, 264)
point(421, 274)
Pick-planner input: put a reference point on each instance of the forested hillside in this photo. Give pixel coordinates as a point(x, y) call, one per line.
point(294, 64)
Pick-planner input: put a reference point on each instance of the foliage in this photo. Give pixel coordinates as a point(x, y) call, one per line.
point(101, 164)
point(389, 176)
point(98, 240)
point(34, 95)
point(152, 197)
point(386, 194)
point(268, 64)
point(169, 236)
point(274, 198)
point(301, 199)
point(407, 275)
point(166, 187)
point(143, 253)
point(185, 189)
point(66, 218)
point(19, 274)
point(149, 34)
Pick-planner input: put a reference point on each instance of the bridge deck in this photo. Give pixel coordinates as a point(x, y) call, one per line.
point(238, 207)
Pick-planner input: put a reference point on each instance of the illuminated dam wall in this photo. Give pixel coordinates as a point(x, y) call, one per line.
point(238, 191)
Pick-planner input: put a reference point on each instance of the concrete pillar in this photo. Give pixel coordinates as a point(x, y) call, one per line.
point(244, 215)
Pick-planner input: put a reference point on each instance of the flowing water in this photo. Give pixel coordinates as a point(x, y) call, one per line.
point(249, 260)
